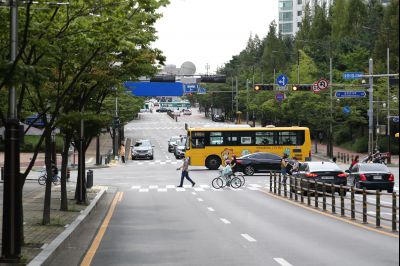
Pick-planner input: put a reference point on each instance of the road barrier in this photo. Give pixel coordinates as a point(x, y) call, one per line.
point(299, 188)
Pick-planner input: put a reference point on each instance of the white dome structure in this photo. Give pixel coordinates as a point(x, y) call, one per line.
point(188, 68)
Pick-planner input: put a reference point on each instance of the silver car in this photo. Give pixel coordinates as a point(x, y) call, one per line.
point(142, 150)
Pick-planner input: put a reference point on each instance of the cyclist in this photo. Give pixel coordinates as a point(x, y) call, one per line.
point(227, 171)
point(234, 164)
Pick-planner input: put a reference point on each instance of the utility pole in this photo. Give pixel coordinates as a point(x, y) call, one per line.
point(388, 105)
point(237, 96)
point(247, 101)
point(233, 88)
point(12, 196)
point(298, 67)
point(330, 141)
point(371, 107)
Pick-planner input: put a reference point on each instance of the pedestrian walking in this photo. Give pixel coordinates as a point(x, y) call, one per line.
point(185, 172)
point(122, 153)
point(354, 162)
point(284, 164)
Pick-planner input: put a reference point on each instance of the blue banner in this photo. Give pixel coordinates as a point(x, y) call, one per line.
point(154, 89)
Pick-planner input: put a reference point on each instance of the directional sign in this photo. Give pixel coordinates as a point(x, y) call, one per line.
point(351, 94)
point(323, 84)
point(346, 110)
point(191, 88)
point(280, 97)
point(395, 119)
point(282, 80)
point(352, 75)
point(201, 91)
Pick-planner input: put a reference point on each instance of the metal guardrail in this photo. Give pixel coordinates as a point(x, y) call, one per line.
point(301, 189)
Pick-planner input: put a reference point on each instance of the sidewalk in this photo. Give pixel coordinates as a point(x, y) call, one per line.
point(322, 150)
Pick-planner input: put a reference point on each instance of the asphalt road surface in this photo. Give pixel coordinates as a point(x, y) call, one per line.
point(155, 223)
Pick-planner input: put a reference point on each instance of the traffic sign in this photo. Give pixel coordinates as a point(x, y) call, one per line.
point(323, 84)
point(346, 110)
point(201, 91)
point(351, 94)
point(191, 88)
point(282, 80)
point(352, 75)
point(395, 119)
point(280, 97)
point(315, 88)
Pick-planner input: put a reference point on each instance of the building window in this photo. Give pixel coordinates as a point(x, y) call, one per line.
point(286, 5)
point(286, 16)
point(286, 28)
point(299, 13)
point(298, 24)
point(299, 2)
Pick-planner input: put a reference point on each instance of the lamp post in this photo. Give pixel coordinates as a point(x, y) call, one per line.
point(12, 196)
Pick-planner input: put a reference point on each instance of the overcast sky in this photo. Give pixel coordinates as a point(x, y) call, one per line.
point(211, 31)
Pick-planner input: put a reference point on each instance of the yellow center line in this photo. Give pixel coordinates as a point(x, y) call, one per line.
point(121, 195)
point(87, 260)
point(331, 215)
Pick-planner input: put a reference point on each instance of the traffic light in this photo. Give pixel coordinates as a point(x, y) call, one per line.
point(213, 79)
point(163, 78)
point(264, 87)
point(302, 88)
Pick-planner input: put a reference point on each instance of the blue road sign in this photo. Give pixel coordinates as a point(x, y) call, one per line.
point(282, 80)
point(351, 94)
point(154, 88)
point(201, 91)
point(395, 119)
point(280, 97)
point(191, 88)
point(346, 110)
point(352, 75)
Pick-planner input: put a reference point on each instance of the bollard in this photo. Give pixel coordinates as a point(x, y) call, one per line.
point(89, 179)
point(301, 191)
point(352, 157)
point(270, 181)
point(353, 203)
point(274, 183)
point(296, 197)
point(333, 190)
point(365, 207)
point(324, 197)
point(308, 193)
point(285, 187)
point(316, 194)
point(348, 158)
point(378, 209)
point(394, 212)
point(2, 173)
point(342, 210)
point(280, 184)
point(338, 155)
point(68, 174)
point(291, 187)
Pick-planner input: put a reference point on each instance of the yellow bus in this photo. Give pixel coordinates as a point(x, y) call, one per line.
point(211, 146)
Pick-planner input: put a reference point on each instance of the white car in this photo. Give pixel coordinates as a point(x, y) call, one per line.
point(187, 112)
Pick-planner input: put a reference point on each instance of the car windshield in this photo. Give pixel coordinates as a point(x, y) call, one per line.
point(373, 168)
point(317, 167)
point(174, 139)
point(142, 144)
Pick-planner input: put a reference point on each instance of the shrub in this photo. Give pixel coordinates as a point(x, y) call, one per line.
point(342, 135)
point(361, 145)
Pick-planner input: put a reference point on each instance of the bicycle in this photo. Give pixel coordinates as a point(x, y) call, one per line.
point(241, 177)
point(222, 181)
point(43, 177)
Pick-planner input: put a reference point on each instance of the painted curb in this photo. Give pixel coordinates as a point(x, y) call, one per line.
point(50, 250)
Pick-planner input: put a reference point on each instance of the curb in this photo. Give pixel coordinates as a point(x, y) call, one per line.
point(47, 254)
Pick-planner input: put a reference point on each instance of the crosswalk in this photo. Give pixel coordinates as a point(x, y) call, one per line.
point(156, 162)
point(189, 188)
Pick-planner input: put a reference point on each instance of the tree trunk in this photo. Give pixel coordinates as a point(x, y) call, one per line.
point(81, 180)
point(64, 165)
point(47, 196)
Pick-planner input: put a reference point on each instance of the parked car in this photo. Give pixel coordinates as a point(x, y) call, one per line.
point(259, 162)
point(142, 150)
point(218, 118)
point(187, 112)
point(172, 142)
point(371, 176)
point(322, 172)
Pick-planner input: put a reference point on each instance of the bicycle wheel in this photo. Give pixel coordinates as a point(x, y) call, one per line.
point(218, 183)
point(42, 180)
point(241, 177)
point(236, 182)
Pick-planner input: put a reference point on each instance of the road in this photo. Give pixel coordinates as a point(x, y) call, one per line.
point(155, 223)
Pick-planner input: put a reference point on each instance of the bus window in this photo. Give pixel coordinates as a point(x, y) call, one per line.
point(216, 139)
point(198, 140)
point(290, 138)
point(264, 138)
point(231, 139)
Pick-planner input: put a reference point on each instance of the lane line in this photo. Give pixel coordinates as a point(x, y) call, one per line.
point(225, 221)
point(282, 262)
point(194, 193)
point(200, 199)
point(248, 238)
point(87, 260)
point(210, 209)
point(333, 216)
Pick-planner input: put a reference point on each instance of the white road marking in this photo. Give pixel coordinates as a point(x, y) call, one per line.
point(200, 199)
point(153, 187)
point(163, 163)
point(253, 188)
point(225, 221)
point(210, 209)
point(143, 190)
point(170, 186)
point(255, 185)
point(199, 189)
point(194, 193)
point(135, 187)
point(180, 189)
point(282, 262)
point(187, 186)
point(248, 238)
point(162, 190)
point(174, 163)
point(204, 186)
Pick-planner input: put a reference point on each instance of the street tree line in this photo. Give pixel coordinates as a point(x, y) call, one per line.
point(350, 32)
point(72, 60)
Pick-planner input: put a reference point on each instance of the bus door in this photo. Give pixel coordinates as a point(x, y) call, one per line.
point(197, 146)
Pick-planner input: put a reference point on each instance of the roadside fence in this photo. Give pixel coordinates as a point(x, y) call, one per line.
point(346, 201)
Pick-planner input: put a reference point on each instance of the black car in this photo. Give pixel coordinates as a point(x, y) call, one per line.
point(322, 172)
point(172, 142)
point(162, 110)
point(371, 176)
point(259, 162)
point(218, 118)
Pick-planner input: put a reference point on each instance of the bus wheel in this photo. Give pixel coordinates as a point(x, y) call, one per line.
point(213, 162)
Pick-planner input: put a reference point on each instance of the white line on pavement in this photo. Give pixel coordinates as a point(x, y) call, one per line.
point(170, 186)
point(135, 187)
point(143, 190)
point(180, 189)
point(282, 262)
point(225, 221)
point(200, 199)
point(210, 209)
point(194, 193)
point(198, 189)
point(162, 190)
point(248, 238)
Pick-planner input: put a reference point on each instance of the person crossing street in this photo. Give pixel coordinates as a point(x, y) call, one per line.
point(185, 172)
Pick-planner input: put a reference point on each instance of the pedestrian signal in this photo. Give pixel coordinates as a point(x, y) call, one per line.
point(302, 88)
point(263, 87)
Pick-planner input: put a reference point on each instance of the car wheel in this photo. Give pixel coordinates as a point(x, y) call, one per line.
point(213, 162)
point(249, 170)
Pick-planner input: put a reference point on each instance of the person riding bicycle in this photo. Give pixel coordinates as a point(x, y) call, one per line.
point(234, 164)
point(54, 170)
point(227, 171)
